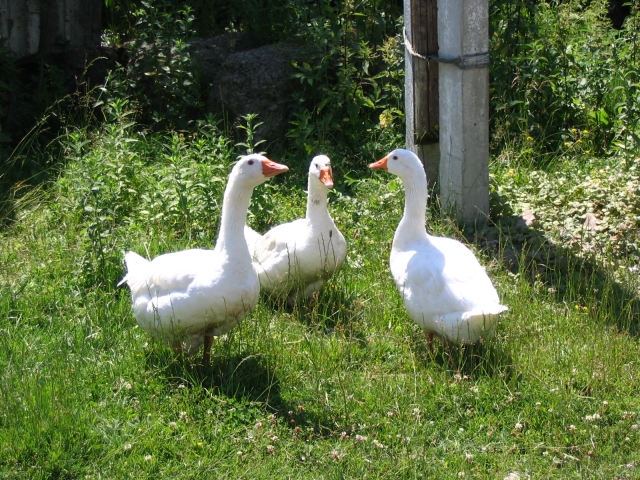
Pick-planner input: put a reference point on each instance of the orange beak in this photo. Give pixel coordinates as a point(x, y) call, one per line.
point(380, 164)
point(326, 178)
point(271, 169)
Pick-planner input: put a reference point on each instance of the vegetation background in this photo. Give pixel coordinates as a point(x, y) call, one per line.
point(345, 387)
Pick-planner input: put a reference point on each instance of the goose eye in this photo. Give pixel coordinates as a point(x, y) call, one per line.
point(395, 157)
point(250, 162)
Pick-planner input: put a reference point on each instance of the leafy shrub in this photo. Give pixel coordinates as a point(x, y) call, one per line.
point(594, 211)
point(159, 77)
point(351, 91)
point(558, 67)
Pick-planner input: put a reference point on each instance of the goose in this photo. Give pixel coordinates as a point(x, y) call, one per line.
point(189, 297)
point(253, 238)
point(444, 288)
point(300, 256)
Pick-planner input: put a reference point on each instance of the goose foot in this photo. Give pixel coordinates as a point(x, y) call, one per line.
point(208, 341)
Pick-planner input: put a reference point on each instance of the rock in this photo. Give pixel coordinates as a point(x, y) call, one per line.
point(257, 81)
point(209, 54)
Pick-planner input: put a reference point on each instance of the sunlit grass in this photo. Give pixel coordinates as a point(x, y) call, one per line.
point(343, 387)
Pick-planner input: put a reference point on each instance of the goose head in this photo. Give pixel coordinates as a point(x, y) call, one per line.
point(400, 162)
point(252, 170)
point(320, 171)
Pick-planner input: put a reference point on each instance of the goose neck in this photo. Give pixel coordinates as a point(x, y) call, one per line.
point(316, 200)
point(413, 220)
point(233, 219)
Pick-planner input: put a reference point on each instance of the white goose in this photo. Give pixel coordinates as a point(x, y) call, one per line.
point(253, 239)
point(303, 254)
point(445, 289)
point(186, 298)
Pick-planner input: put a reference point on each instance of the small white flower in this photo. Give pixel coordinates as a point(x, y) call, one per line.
point(271, 449)
point(183, 415)
point(361, 438)
point(147, 458)
point(572, 428)
point(461, 474)
point(592, 418)
point(469, 457)
point(128, 447)
point(518, 427)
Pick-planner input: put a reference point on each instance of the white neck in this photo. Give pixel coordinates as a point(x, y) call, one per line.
point(411, 227)
point(316, 199)
point(234, 216)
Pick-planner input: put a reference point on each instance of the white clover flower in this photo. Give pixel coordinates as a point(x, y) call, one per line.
point(592, 418)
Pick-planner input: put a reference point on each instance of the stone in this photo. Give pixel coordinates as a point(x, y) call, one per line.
point(257, 81)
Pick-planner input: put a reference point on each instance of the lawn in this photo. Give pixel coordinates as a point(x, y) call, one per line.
point(344, 387)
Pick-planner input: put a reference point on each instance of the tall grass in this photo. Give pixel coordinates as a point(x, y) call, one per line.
point(344, 387)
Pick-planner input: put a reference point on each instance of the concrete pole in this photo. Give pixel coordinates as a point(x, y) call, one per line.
point(421, 84)
point(463, 34)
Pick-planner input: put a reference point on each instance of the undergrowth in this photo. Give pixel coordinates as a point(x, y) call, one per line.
point(345, 386)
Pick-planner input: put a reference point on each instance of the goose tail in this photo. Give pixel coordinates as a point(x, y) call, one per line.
point(135, 264)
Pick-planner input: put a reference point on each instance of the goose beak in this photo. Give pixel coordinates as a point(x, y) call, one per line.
point(326, 178)
point(380, 164)
point(271, 169)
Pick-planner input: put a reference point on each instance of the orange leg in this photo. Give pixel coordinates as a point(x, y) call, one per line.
point(208, 341)
point(429, 336)
point(177, 348)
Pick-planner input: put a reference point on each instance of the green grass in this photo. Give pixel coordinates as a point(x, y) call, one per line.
point(343, 388)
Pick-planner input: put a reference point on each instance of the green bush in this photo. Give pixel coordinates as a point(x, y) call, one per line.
point(158, 76)
point(563, 78)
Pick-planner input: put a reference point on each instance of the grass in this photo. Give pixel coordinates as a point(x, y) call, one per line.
point(343, 388)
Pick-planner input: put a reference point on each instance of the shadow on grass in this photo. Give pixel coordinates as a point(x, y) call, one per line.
point(486, 359)
point(570, 273)
point(334, 309)
point(244, 376)
point(247, 378)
